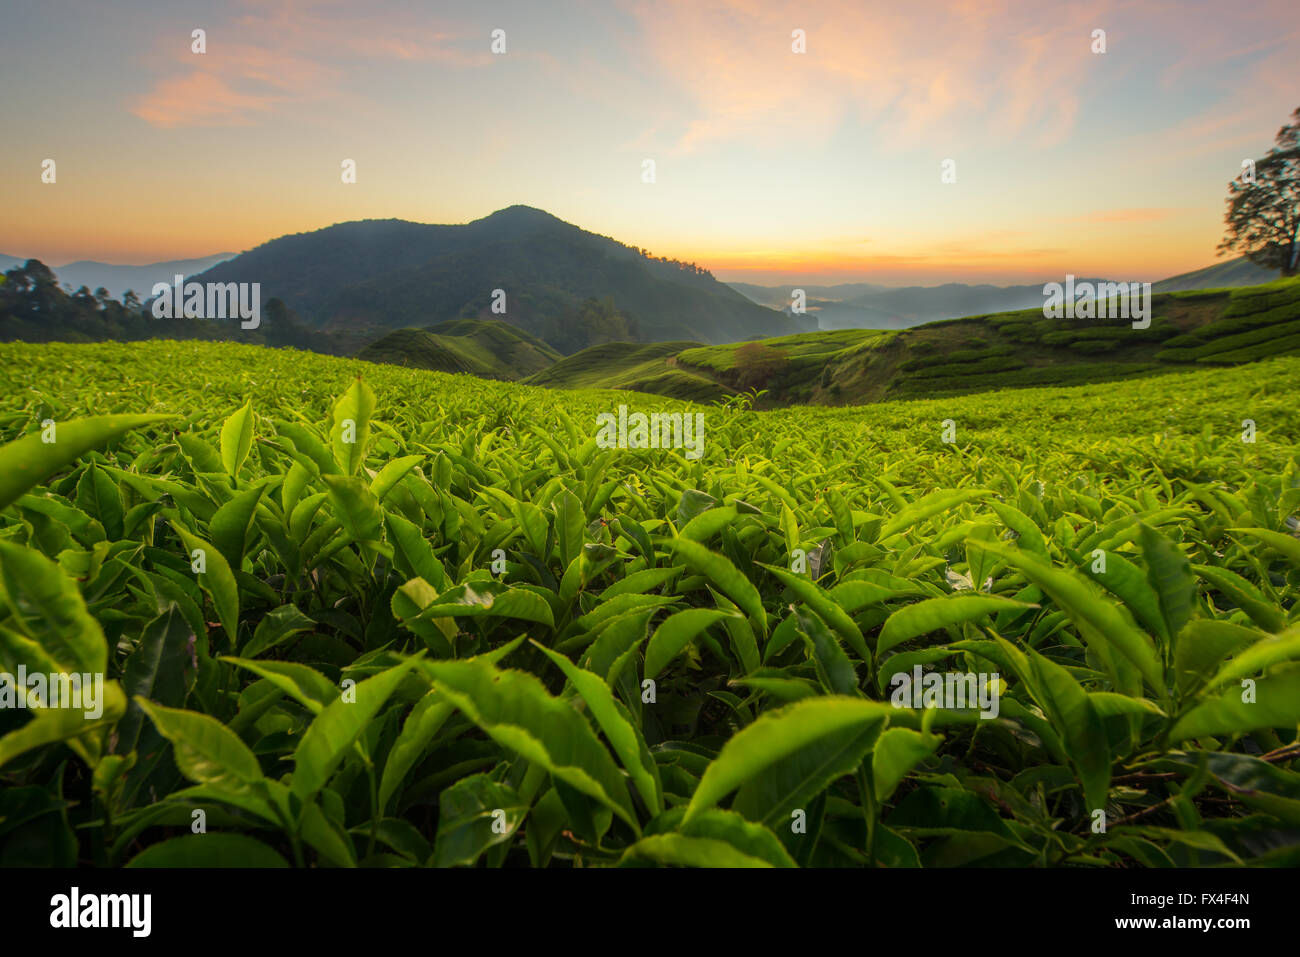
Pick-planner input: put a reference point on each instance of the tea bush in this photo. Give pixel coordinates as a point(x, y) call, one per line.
point(352, 615)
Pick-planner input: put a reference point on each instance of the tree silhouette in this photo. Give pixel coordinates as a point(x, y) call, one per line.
point(1263, 216)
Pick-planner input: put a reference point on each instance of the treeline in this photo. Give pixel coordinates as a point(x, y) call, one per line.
point(34, 308)
point(675, 263)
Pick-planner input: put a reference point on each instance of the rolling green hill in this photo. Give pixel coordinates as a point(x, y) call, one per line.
point(490, 349)
point(973, 354)
point(632, 366)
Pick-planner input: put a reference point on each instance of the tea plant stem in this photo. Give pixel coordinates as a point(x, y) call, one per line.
point(103, 848)
point(1283, 753)
point(1146, 810)
point(291, 829)
point(375, 812)
point(1143, 777)
point(870, 809)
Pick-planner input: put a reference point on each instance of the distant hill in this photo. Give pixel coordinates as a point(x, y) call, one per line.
point(378, 275)
point(118, 279)
point(778, 297)
point(869, 306)
point(977, 353)
point(485, 348)
point(913, 305)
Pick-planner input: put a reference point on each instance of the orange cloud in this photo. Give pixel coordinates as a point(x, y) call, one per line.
point(284, 55)
point(201, 99)
point(1004, 68)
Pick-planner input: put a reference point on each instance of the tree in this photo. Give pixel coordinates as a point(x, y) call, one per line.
point(1263, 217)
point(33, 290)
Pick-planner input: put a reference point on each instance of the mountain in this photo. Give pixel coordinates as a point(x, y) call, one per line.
point(490, 349)
point(1187, 330)
point(568, 287)
point(118, 279)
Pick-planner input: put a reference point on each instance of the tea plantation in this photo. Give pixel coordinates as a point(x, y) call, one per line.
point(344, 614)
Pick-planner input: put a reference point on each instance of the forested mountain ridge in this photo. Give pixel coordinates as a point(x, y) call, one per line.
point(376, 275)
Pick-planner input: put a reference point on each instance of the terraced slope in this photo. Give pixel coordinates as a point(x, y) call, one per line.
point(485, 348)
point(982, 353)
point(628, 365)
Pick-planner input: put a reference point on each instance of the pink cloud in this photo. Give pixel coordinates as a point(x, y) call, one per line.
point(199, 99)
point(1004, 68)
point(285, 53)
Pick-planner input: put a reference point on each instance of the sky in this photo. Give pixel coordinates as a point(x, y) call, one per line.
point(770, 165)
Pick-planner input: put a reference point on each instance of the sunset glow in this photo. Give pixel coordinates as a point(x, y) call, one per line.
point(771, 165)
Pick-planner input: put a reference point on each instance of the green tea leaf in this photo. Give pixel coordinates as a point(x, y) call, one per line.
point(217, 580)
point(935, 614)
point(514, 709)
point(673, 634)
point(474, 814)
point(205, 750)
point(791, 732)
point(48, 607)
point(725, 575)
point(162, 669)
point(26, 462)
point(1097, 618)
point(683, 851)
point(897, 752)
point(333, 731)
point(350, 426)
point(355, 506)
point(622, 735)
point(1276, 704)
point(209, 850)
point(275, 628)
point(237, 439)
point(826, 607)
